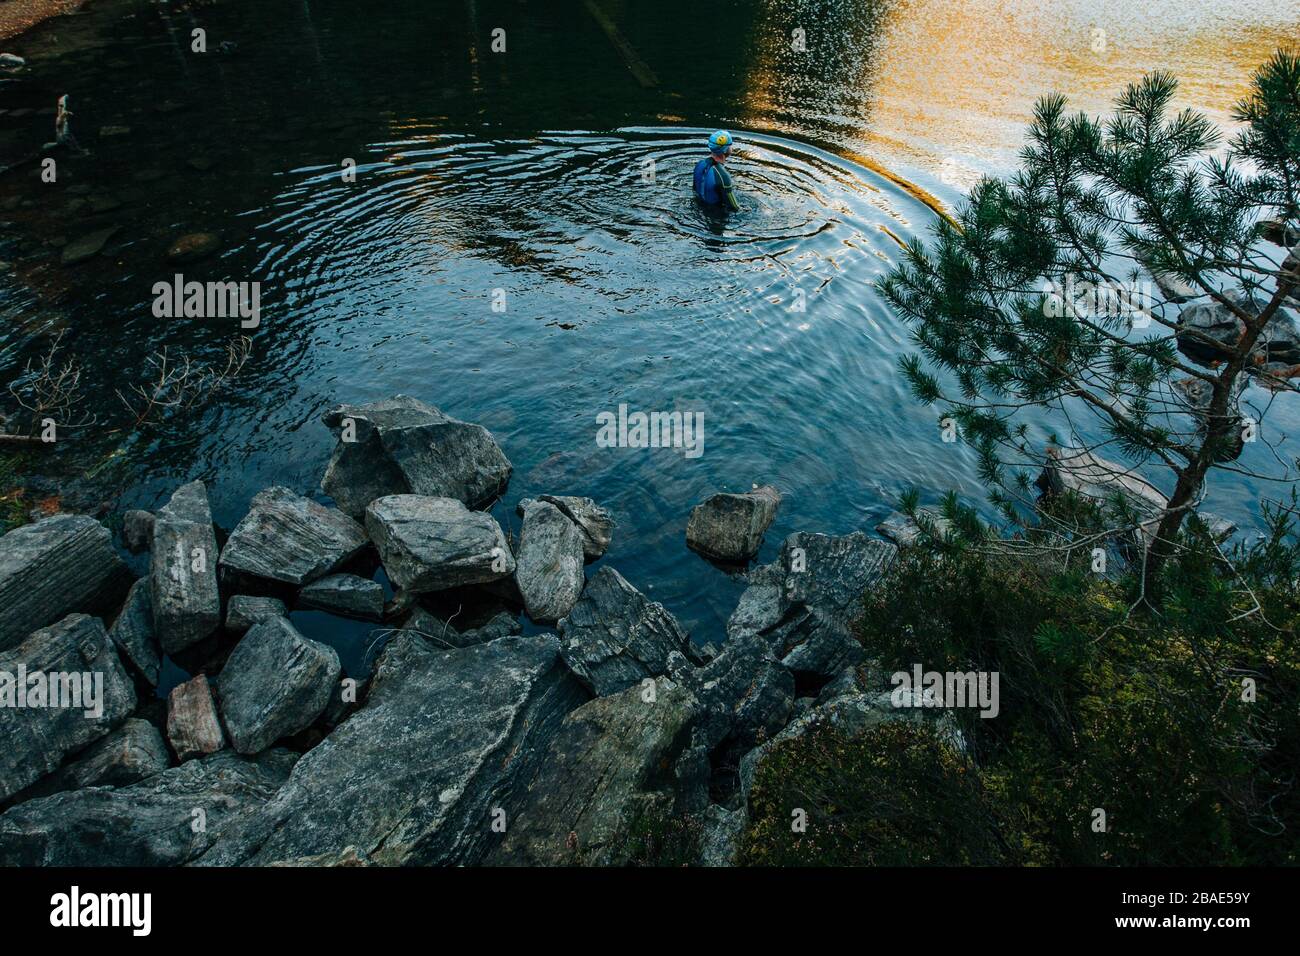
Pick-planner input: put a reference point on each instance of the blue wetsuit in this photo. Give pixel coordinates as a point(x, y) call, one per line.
point(713, 184)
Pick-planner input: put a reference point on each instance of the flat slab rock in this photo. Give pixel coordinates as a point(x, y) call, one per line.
point(432, 544)
point(275, 683)
point(97, 696)
point(594, 521)
point(548, 567)
point(413, 776)
point(730, 527)
point(286, 537)
point(904, 531)
point(52, 568)
point(183, 570)
point(602, 775)
point(192, 723)
point(347, 594)
point(615, 636)
point(148, 824)
point(402, 445)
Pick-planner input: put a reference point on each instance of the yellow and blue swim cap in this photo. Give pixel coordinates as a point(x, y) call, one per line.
point(721, 142)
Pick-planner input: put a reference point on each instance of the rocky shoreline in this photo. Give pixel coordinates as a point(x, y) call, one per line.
point(471, 743)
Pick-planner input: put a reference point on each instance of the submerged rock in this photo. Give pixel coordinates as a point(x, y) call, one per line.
point(601, 779)
point(183, 570)
point(275, 683)
point(403, 446)
point(192, 724)
point(431, 544)
point(193, 246)
point(60, 690)
point(347, 594)
point(414, 776)
point(614, 637)
point(132, 632)
point(53, 567)
point(87, 246)
point(730, 527)
point(548, 568)
point(286, 537)
point(149, 824)
point(594, 522)
point(246, 610)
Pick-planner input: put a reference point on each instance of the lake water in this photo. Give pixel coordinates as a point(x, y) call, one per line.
point(556, 172)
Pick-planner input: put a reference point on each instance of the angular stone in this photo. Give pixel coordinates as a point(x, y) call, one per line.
point(600, 778)
point(192, 724)
point(131, 753)
point(245, 610)
point(137, 531)
point(431, 544)
point(594, 521)
point(548, 568)
point(53, 567)
point(275, 683)
point(723, 830)
point(413, 777)
point(730, 527)
point(1207, 330)
point(459, 632)
point(183, 570)
point(133, 635)
point(614, 637)
point(148, 824)
point(79, 670)
point(404, 446)
point(746, 693)
point(347, 594)
point(805, 605)
point(286, 537)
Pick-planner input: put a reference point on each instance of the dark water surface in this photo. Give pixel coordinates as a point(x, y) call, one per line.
point(559, 174)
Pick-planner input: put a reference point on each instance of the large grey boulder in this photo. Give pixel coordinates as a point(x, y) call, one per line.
point(747, 695)
point(165, 820)
point(275, 683)
point(594, 521)
point(286, 537)
point(804, 606)
point(129, 754)
point(602, 779)
point(1207, 330)
point(192, 723)
point(404, 446)
point(245, 610)
point(133, 635)
point(431, 544)
point(183, 570)
point(548, 568)
point(413, 777)
point(53, 567)
point(730, 527)
point(615, 636)
point(347, 594)
point(60, 690)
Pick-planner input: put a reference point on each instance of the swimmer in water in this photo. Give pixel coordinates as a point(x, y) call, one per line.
point(712, 181)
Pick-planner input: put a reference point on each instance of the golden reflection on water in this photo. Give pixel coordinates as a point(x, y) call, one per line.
point(948, 85)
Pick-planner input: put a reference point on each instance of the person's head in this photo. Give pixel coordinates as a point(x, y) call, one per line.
point(720, 144)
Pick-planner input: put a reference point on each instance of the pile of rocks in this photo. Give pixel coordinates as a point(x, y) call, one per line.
point(471, 743)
